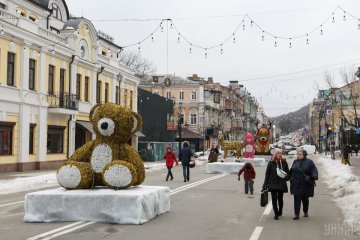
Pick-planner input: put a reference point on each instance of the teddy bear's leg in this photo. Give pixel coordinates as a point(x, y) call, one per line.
point(75, 175)
point(119, 174)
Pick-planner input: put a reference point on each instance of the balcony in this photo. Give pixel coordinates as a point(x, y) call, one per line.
point(8, 17)
point(66, 103)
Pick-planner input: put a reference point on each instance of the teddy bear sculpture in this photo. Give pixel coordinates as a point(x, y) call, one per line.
point(249, 146)
point(108, 160)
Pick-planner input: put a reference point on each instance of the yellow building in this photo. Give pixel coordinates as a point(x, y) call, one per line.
point(53, 70)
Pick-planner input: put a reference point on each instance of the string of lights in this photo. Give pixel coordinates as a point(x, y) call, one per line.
point(248, 20)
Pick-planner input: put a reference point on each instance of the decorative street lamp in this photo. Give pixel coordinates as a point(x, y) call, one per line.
point(119, 78)
point(180, 124)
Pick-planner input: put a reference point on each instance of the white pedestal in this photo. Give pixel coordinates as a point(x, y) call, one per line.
point(255, 161)
point(224, 167)
point(136, 205)
point(267, 157)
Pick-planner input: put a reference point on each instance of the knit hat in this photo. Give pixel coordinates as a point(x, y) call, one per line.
point(303, 151)
point(276, 151)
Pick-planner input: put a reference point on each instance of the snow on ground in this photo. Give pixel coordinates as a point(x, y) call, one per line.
point(344, 186)
point(21, 183)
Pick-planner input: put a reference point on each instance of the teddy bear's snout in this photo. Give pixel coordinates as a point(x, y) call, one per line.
point(104, 125)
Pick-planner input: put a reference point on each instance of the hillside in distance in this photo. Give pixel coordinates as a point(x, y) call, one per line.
point(292, 121)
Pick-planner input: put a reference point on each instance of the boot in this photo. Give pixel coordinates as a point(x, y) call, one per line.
point(296, 217)
point(280, 212)
point(276, 217)
point(306, 214)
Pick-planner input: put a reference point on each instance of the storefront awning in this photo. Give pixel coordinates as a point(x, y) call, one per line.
point(87, 125)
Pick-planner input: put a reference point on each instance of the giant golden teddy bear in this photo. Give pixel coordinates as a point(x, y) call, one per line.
point(108, 160)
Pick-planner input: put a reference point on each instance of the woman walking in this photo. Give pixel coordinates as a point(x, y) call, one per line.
point(303, 174)
point(170, 158)
point(185, 156)
point(275, 181)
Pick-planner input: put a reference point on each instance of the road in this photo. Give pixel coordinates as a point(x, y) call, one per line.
point(216, 208)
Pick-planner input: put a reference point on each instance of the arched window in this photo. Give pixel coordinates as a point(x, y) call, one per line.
point(84, 50)
point(56, 13)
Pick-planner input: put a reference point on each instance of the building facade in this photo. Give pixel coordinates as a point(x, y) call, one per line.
point(53, 69)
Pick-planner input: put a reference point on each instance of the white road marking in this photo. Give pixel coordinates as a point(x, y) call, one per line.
point(256, 233)
point(268, 209)
point(54, 231)
point(74, 226)
point(9, 204)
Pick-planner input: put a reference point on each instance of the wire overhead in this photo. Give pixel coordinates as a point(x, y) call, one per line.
point(247, 20)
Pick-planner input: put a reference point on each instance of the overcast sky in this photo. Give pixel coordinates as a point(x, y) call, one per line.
point(250, 59)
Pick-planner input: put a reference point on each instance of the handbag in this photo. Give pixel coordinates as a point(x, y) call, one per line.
point(264, 198)
point(191, 163)
point(308, 179)
point(281, 173)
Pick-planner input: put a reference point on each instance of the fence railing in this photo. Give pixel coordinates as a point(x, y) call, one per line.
point(63, 100)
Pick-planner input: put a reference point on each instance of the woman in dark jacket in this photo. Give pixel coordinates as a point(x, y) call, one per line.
point(274, 183)
point(185, 156)
point(303, 174)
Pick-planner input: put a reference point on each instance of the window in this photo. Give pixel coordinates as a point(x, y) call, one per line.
point(51, 79)
point(98, 91)
point(62, 81)
point(181, 95)
point(32, 74)
point(2, 6)
point(86, 89)
point(11, 69)
point(56, 11)
point(78, 86)
point(103, 52)
point(6, 137)
point(125, 97)
point(193, 118)
point(32, 18)
point(31, 139)
point(193, 95)
point(55, 139)
point(117, 95)
point(131, 100)
point(106, 92)
point(168, 95)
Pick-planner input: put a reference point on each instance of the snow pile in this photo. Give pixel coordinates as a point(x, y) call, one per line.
point(135, 205)
point(224, 167)
point(27, 183)
point(345, 187)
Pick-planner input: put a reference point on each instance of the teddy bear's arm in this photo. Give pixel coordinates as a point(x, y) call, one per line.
point(83, 154)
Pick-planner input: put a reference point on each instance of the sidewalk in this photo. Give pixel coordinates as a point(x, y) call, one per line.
point(354, 161)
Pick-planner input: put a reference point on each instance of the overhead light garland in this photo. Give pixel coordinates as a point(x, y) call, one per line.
point(252, 23)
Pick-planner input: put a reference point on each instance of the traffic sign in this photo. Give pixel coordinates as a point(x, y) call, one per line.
point(357, 131)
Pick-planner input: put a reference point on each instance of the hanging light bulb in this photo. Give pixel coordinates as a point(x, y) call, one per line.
point(275, 44)
point(190, 50)
point(161, 28)
point(344, 17)
point(290, 45)
point(171, 26)
point(221, 50)
point(139, 47)
point(358, 23)
point(307, 39)
point(321, 31)
point(178, 40)
point(243, 27)
point(251, 23)
point(262, 36)
point(333, 18)
point(206, 55)
point(234, 39)
point(152, 38)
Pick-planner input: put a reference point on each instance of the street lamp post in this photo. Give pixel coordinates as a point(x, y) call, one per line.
point(180, 124)
point(119, 78)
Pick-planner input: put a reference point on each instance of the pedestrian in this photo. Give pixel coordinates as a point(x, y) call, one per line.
point(356, 149)
point(303, 174)
point(275, 181)
point(170, 158)
point(345, 159)
point(214, 154)
point(351, 149)
point(249, 176)
point(185, 156)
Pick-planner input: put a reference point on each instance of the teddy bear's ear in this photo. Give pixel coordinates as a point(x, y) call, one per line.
point(137, 122)
point(93, 111)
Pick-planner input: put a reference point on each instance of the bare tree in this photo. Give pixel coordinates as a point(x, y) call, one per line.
point(345, 97)
point(141, 66)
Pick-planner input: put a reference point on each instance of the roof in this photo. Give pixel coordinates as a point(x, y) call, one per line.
point(175, 80)
point(188, 134)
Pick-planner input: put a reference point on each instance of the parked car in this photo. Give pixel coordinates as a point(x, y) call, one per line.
point(292, 152)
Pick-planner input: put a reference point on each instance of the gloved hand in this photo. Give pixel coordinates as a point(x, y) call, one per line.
point(238, 178)
point(263, 188)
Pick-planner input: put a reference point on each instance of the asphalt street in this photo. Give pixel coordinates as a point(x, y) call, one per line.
point(210, 209)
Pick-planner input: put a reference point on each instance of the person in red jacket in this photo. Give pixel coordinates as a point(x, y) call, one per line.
point(249, 175)
point(170, 158)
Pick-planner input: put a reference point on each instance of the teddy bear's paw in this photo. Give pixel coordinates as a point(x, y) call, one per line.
point(75, 175)
point(119, 174)
point(69, 176)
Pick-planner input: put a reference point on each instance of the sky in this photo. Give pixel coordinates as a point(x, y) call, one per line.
point(284, 79)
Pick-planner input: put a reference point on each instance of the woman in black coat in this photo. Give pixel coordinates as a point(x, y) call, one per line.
point(303, 174)
point(276, 184)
